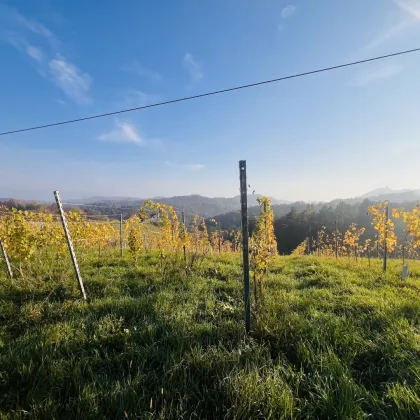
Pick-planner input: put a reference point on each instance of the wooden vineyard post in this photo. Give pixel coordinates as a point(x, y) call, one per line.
point(6, 259)
point(386, 236)
point(70, 244)
point(245, 245)
point(121, 235)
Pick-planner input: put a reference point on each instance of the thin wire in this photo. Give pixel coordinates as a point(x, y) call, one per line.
point(101, 215)
point(58, 219)
point(101, 206)
point(217, 92)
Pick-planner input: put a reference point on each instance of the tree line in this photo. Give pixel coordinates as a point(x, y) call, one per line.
point(296, 226)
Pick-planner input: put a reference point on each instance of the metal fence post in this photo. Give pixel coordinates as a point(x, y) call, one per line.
point(245, 246)
point(6, 259)
point(70, 244)
point(336, 239)
point(220, 239)
point(185, 232)
point(386, 236)
point(121, 235)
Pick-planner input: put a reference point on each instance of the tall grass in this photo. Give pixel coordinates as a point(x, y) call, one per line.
point(334, 340)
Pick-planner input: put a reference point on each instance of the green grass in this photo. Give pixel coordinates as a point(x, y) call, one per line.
point(332, 340)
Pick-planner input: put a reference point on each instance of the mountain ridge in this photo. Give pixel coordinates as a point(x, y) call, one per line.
point(214, 206)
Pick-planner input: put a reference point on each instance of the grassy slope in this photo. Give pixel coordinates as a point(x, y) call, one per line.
point(335, 340)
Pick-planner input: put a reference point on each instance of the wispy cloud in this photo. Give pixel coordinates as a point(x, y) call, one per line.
point(412, 7)
point(128, 132)
point(73, 82)
point(193, 67)
point(186, 166)
point(388, 34)
point(288, 11)
point(124, 132)
point(20, 43)
point(378, 74)
point(32, 25)
point(142, 71)
point(410, 18)
point(45, 54)
point(134, 97)
point(35, 52)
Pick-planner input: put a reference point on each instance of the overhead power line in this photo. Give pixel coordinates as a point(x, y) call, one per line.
point(216, 92)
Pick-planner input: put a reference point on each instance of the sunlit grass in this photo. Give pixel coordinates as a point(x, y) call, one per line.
point(333, 339)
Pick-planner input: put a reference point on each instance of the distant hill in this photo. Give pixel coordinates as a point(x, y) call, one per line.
point(382, 194)
point(191, 204)
point(399, 197)
point(379, 191)
point(226, 209)
point(232, 220)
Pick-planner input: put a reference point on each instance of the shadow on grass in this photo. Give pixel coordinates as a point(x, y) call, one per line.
point(119, 356)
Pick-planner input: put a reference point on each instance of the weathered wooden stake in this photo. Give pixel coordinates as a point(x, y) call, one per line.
point(70, 244)
point(6, 259)
point(245, 245)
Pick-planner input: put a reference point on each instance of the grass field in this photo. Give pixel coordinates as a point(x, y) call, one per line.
point(332, 340)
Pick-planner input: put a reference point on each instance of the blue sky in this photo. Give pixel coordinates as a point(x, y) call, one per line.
point(337, 134)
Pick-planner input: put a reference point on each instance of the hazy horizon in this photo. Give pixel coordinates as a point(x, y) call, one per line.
point(67, 195)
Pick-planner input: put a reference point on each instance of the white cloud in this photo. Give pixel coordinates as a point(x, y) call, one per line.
point(187, 166)
point(410, 8)
point(74, 83)
point(288, 11)
point(142, 71)
point(193, 67)
point(48, 59)
point(33, 25)
point(20, 43)
point(378, 74)
point(124, 132)
point(135, 98)
point(34, 52)
point(387, 35)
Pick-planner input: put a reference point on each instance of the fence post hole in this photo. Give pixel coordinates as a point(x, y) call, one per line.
point(70, 244)
point(6, 259)
point(386, 236)
point(245, 251)
point(121, 235)
point(185, 232)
